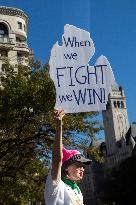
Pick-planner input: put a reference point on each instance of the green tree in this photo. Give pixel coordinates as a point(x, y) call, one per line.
point(27, 99)
point(96, 154)
point(27, 185)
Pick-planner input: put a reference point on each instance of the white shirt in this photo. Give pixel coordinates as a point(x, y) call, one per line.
point(61, 193)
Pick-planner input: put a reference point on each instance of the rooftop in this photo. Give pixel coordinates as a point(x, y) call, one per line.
point(13, 12)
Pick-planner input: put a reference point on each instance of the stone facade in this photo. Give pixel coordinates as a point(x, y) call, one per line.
point(116, 126)
point(13, 37)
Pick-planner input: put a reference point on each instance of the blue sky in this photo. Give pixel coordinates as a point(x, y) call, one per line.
point(111, 23)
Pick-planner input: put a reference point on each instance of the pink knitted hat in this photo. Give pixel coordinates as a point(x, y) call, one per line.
point(73, 155)
point(67, 154)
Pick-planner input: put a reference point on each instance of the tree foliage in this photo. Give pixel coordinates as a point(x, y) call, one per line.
point(96, 154)
point(27, 99)
point(27, 185)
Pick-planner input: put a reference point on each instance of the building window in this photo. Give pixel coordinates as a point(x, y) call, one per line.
point(115, 104)
point(3, 53)
point(3, 32)
point(18, 39)
point(118, 104)
point(24, 27)
point(19, 25)
point(19, 55)
point(122, 104)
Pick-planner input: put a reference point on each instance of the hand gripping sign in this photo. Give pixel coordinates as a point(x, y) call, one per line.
point(79, 86)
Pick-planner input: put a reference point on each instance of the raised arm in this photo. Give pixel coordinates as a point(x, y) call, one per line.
point(57, 146)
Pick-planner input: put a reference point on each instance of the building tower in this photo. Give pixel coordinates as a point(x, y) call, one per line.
point(13, 37)
point(116, 125)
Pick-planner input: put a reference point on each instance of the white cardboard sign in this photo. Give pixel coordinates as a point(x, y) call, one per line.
point(79, 86)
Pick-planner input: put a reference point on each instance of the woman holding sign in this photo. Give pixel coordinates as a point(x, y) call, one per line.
point(67, 169)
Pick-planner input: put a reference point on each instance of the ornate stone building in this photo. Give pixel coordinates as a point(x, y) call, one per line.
point(13, 37)
point(119, 144)
point(116, 126)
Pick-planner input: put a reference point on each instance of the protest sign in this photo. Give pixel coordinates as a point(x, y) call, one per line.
point(79, 86)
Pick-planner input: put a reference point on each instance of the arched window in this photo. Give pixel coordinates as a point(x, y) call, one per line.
point(122, 104)
point(118, 104)
point(3, 32)
point(115, 104)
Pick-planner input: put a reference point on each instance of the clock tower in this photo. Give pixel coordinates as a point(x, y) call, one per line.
point(115, 119)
